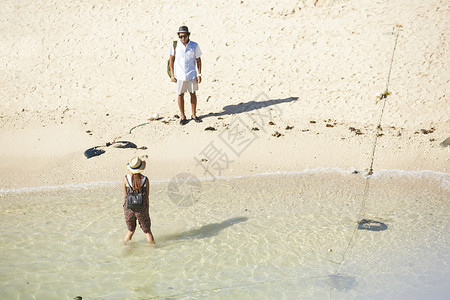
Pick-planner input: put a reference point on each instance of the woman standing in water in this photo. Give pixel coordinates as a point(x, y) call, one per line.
point(137, 182)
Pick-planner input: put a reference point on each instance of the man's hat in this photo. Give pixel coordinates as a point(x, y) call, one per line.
point(183, 29)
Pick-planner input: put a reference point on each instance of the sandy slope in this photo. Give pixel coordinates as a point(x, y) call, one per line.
point(78, 75)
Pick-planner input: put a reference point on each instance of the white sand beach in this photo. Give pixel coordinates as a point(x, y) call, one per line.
point(78, 75)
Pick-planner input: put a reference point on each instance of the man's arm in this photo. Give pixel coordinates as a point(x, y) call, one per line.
point(171, 62)
point(199, 68)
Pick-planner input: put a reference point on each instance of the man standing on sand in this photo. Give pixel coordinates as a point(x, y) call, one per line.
point(183, 60)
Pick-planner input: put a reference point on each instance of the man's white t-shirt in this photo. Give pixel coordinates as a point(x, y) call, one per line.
point(184, 65)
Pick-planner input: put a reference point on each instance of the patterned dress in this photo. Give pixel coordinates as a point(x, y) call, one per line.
point(141, 214)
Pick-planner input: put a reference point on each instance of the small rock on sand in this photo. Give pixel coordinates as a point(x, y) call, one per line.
point(276, 134)
point(445, 143)
point(427, 131)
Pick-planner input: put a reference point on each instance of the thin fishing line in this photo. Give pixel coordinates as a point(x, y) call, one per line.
point(392, 61)
point(384, 96)
point(370, 172)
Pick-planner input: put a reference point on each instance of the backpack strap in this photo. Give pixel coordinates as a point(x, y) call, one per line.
point(129, 184)
point(131, 187)
point(175, 48)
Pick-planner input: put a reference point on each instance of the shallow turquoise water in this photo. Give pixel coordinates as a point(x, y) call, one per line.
point(287, 236)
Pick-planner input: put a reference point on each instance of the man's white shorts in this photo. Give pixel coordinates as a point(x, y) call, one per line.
point(186, 86)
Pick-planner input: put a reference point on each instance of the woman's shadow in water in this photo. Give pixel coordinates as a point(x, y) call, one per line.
point(206, 231)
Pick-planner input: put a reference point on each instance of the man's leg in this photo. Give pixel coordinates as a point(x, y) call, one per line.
point(181, 105)
point(194, 104)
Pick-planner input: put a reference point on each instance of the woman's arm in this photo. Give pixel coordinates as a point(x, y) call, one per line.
point(147, 190)
point(124, 187)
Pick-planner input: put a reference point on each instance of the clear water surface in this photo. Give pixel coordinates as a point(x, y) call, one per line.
point(273, 236)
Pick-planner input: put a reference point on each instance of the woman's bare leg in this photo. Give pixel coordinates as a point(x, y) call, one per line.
point(150, 238)
point(128, 236)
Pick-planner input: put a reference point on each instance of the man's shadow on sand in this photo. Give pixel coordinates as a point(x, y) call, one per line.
point(248, 107)
point(206, 231)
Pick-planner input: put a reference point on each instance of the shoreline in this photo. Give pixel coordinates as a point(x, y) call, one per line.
point(108, 184)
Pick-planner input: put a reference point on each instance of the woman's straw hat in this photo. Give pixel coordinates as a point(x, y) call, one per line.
point(136, 165)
